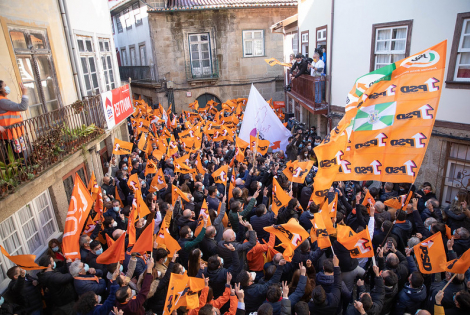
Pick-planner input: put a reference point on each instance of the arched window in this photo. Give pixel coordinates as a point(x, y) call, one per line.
point(204, 98)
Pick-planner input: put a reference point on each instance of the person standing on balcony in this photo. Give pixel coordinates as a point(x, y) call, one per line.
point(316, 70)
point(300, 67)
point(10, 115)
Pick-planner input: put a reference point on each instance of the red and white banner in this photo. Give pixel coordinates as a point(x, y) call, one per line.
point(117, 105)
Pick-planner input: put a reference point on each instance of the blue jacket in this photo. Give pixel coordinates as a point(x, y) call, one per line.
point(305, 220)
point(258, 223)
point(82, 284)
point(255, 294)
point(107, 306)
point(410, 300)
point(332, 299)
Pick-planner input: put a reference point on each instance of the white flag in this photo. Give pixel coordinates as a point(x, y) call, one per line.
point(259, 117)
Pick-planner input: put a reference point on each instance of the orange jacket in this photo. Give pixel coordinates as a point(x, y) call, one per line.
point(255, 256)
point(8, 119)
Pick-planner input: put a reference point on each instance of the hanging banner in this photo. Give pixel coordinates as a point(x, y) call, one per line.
point(117, 105)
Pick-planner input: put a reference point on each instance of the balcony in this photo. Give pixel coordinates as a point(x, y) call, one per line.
point(46, 140)
point(200, 71)
point(303, 90)
point(144, 73)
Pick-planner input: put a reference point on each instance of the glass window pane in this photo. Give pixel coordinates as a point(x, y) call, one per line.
point(108, 58)
point(205, 47)
point(104, 63)
point(101, 46)
point(18, 39)
point(26, 69)
point(398, 44)
point(399, 33)
point(383, 59)
point(248, 48)
point(81, 47)
point(383, 34)
point(87, 82)
point(383, 46)
point(95, 80)
point(466, 41)
point(32, 93)
point(397, 57)
point(205, 55)
point(36, 110)
point(467, 28)
point(258, 35)
point(44, 66)
point(206, 63)
point(204, 37)
point(463, 72)
point(465, 58)
point(91, 60)
point(195, 64)
point(193, 38)
point(89, 46)
point(195, 55)
point(194, 47)
point(248, 35)
point(48, 88)
point(52, 106)
point(106, 45)
point(106, 78)
point(38, 41)
point(111, 78)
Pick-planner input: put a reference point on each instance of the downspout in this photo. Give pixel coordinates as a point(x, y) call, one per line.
point(70, 46)
point(329, 120)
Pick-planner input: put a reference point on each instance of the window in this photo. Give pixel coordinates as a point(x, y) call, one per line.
point(69, 178)
point(132, 55)
point(458, 75)
point(295, 43)
point(253, 43)
point(390, 43)
point(320, 40)
point(34, 61)
point(127, 19)
point(106, 61)
point(142, 55)
point(27, 231)
point(118, 22)
point(137, 16)
point(304, 41)
point(124, 57)
point(88, 65)
point(199, 50)
point(157, 3)
point(457, 173)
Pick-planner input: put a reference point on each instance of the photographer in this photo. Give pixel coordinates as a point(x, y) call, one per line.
point(293, 147)
point(300, 67)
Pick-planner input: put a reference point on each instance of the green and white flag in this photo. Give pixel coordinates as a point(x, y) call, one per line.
point(375, 117)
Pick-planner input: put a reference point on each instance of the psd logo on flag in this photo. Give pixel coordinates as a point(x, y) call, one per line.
point(375, 117)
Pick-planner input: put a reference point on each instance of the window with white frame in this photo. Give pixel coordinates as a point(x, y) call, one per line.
point(27, 231)
point(133, 60)
point(118, 22)
point(142, 55)
point(124, 57)
point(127, 19)
point(137, 15)
point(304, 37)
point(88, 65)
point(457, 172)
point(321, 35)
point(390, 44)
point(253, 43)
point(462, 64)
point(200, 54)
point(295, 43)
point(107, 63)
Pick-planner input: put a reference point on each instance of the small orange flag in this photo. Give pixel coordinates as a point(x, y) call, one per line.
point(134, 183)
point(325, 212)
point(288, 170)
point(114, 253)
point(116, 195)
point(319, 232)
point(280, 197)
point(131, 225)
point(172, 147)
point(199, 167)
point(122, 147)
point(109, 240)
point(221, 175)
point(204, 213)
point(261, 145)
point(175, 192)
point(368, 201)
point(93, 185)
point(158, 181)
point(164, 238)
point(143, 141)
point(79, 208)
point(291, 235)
point(145, 241)
point(300, 170)
point(344, 231)
point(182, 291)
point(99, 203)
point(359, 245)
point(150, 168)
point(25, 262)
point(459, 265)
point(430, 255)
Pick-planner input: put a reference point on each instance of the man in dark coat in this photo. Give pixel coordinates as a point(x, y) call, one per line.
point(25, 291)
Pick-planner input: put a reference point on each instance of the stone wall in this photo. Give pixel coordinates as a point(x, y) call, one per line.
point(170, 31)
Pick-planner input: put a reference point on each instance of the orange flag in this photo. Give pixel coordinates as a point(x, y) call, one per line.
point(280, 197)
point(300, 171)
point(25, 262)
point(332, 206)
point(430, 255)
point(116, 194)
point(289, 169)
point(158, 181)
point(368, 201)
point(396, 202)
point(319, 232)
point(261, 145)
point(344, 231)
point(145, 241)
point(93, 185)
point(221, 175)
point(164, 238)
point(242, 144)
point(109, 240)
point(291, 235)
point(114, 253)
point(99, 203)
point(131, 226)
point(182, 291)
point(325, 212)
point(194, 105)
point(239, 154)
point(142, 209)
point(172, 147)
point(134, 183)
point(91, 224)
point(199, 167)
point(359, 245)
point(122, 147)
point(143, 141)
point(204, 213)
point(150, 168)
point(459, 265)
point(79, 208)
point(175, 192)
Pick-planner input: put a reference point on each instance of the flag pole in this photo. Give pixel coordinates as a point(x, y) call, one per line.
point(449, 282)
point(373, 261)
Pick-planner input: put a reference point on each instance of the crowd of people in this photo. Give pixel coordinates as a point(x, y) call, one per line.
point(243, 265)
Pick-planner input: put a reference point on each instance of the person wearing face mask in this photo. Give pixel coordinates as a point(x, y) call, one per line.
point(212, 198)
point(24, 291)
point(61, 294)
point(198, 192)
point(54, 250)
point(300, 67)
point(10, 115)
point(424, 194)
point(95, 250)
point(86, 278)
point(115, 211)
point(161, 260)
point(188, 242)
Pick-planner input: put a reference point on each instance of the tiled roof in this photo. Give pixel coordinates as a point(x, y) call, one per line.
point(181, 5)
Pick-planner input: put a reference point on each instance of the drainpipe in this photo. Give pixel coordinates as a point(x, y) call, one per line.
point(70, 46)
point(329, 120)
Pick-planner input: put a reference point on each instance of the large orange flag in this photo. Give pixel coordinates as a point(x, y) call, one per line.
point(359, 245)
point(459, 265)
point(158, 181)
point(145, 241)
point(79, 208)
point(430, 255)
point(131, 225)
point(280, 197)
point(291, 234)
point(221, 175)
point(204, 213)
point(122, 147)
point(164, 238)
point(142, 208)
point(25, 262)
point(319, 232)
point(114, 253)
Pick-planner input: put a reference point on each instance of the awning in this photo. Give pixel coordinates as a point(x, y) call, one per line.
point(284, 23)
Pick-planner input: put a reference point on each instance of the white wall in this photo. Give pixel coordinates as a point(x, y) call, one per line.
point(433, 22)
point(135, 36)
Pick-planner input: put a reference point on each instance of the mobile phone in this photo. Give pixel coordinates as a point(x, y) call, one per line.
point(389, 244)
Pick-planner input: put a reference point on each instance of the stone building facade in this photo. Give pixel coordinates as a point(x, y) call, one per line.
point(218, 52)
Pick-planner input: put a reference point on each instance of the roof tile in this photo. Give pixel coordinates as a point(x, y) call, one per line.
point(175, 5)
